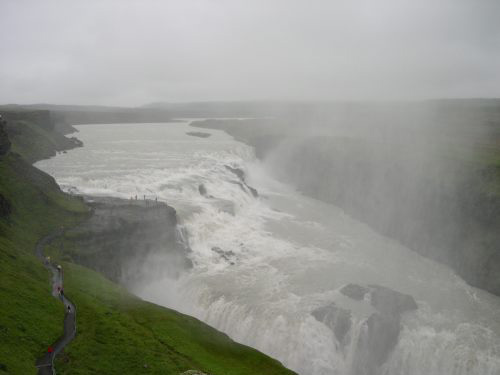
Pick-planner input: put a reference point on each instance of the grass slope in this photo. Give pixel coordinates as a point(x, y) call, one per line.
point(117, 332)
point(33, 142)
point(30, 319)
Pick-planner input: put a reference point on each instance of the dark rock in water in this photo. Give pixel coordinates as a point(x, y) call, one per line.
point(202, 189)
point(240, 184)
point(246, 188)
point(241, 175)
point(5, 207)
point(374, 347)
point(354, 291)
point(237, 171)
point(338, 319)
point(381, 330)
point(384, 299)
point(199, 134)
point(254, 192)
point(226, 255)
point(390, 301)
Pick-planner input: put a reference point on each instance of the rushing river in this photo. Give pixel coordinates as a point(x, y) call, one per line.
point(263, 264)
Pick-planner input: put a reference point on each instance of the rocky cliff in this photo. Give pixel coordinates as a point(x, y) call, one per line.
point(128, 241)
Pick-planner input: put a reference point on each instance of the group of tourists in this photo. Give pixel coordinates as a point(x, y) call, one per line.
point(134, 198)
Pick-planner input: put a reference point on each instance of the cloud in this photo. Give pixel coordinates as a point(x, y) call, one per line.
point(132, 52)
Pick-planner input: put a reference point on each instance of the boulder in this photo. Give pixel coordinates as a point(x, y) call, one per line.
point(354, 291)
point(202, 190)
point(242, 183)
point(337, 318)
point(380, 336)
point(379, 332)
point(199, 134)
point(226, 255)
point(391, 302)
point(237, 171)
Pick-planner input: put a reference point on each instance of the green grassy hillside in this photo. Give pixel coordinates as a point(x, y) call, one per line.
point(117, 332)
point(30, 318)
point(35, 143)
point(121, 334)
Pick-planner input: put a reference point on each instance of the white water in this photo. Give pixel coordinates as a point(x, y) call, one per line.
point(291, 254)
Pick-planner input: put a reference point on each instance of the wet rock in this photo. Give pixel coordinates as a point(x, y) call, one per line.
point(380, 331)
point(338, 319)
point(383, 299)
point(374, 346)
point(199, 134)
point(241, 175)
point(202, 189)
point(390, 301)
point(254, 191)
point(354, 291)
point(226, 255)
point(237, 171)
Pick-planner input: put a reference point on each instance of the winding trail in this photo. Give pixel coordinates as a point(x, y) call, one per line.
point(45, 364)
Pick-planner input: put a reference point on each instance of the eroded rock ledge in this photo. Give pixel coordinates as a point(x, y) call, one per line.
point(129, 241)
point(378, 331)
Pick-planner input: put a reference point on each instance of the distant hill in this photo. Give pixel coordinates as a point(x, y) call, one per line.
point(68, 115)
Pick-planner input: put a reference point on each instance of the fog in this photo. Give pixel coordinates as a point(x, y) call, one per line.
point(134, 52)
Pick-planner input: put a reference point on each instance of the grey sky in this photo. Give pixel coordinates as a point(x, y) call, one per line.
point(121, 52)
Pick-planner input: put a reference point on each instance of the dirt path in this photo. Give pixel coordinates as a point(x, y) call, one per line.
point(45, 364)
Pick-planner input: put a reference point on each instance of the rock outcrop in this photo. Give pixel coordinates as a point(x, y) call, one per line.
point(336, 318)
point(379, 332)
point(199, 134)
point(227, 255)
point(129, 241)
point(242, 181)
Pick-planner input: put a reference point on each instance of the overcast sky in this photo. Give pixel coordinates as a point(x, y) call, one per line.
point(119, 52)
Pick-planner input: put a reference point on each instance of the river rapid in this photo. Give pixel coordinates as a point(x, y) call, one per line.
point(263, 265)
